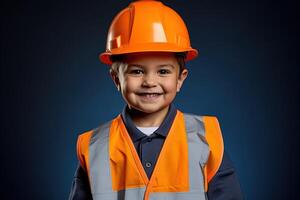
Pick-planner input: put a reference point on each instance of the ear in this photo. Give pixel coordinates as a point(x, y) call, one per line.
point(181, 79)
point(115, 78)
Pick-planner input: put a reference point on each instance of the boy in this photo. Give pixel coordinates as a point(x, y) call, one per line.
point(152, 150)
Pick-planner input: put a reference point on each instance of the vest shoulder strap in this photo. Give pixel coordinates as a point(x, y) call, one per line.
point(214, 139)
point(82, 148)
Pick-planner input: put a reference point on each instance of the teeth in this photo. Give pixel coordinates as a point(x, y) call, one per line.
point(150, 94)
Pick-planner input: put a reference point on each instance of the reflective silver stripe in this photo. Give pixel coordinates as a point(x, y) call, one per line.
point(191, 195)
point(100, 176)
point(198, 152)
point(128, 194)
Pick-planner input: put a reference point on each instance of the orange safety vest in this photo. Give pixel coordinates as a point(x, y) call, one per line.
point(190, 157)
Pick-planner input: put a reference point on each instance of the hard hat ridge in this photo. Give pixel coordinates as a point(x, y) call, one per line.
point(147, 26)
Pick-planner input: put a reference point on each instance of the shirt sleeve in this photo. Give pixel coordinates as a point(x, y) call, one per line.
point(80, 189)
point(225, 184)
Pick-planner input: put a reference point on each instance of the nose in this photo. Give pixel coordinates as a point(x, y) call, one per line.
point(149, 80)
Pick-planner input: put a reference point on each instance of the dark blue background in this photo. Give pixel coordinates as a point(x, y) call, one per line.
point(53, 87)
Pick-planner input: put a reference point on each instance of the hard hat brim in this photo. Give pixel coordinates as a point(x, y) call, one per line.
point(158, 47)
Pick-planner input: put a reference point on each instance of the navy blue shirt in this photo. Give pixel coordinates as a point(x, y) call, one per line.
point(223, 186)
point(148, 147)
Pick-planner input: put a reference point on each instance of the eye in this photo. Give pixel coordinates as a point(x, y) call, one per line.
point(136, 71)
point(164, 71)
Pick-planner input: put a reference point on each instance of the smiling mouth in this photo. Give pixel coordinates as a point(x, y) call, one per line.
point(149, 97)
point(149, 94)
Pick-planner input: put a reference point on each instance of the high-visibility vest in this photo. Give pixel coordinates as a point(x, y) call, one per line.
point(190, 157)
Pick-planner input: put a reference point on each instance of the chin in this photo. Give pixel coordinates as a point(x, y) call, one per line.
point(151, 109)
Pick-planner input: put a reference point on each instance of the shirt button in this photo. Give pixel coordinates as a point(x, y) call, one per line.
point(148, 164)
point(149, 139)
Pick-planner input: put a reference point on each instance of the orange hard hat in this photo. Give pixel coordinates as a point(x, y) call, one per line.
point(147, 26)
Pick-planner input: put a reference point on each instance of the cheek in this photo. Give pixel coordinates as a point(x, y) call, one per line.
point(170, 85)
point(130, 84)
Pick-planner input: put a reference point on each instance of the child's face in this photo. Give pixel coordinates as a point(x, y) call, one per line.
point(150, 81)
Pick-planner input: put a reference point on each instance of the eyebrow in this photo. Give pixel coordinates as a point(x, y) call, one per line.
point(135, 65)
point(166, 65)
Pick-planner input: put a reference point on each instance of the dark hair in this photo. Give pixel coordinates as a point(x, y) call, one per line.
point(181, 56)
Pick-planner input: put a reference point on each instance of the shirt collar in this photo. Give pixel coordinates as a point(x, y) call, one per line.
point(162, 130)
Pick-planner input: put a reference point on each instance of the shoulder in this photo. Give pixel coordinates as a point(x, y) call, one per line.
point(86, 138)
point(94, 132)
point(208, 123)
point(200, 118)
point(213, 135)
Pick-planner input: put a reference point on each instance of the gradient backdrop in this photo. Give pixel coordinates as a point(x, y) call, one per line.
point(53, 88)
